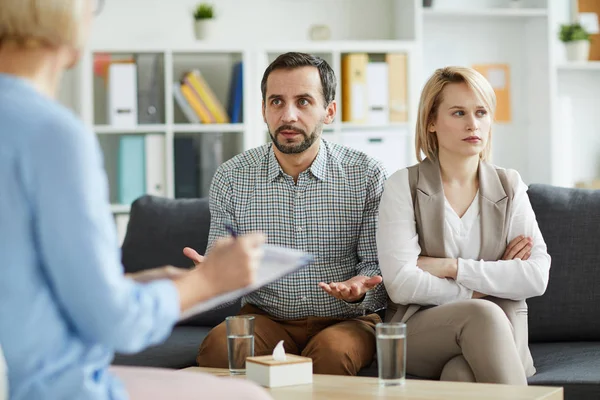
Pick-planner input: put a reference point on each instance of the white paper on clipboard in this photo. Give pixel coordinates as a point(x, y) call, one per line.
point(276, 263)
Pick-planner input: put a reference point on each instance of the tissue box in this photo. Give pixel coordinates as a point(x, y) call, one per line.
point(267, 372)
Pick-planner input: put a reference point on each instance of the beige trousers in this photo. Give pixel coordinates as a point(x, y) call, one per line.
point(468, 341)
point(337, 346)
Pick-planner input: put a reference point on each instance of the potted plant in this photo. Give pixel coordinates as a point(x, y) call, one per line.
point(576, 40)
point(203, 20)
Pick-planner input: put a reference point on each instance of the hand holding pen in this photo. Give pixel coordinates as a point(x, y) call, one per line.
point(196, 257)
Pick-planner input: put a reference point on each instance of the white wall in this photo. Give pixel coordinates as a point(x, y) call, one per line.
point(241, 21)
point(582, 88)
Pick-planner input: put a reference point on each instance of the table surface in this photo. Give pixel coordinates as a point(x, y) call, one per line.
point(334, 387)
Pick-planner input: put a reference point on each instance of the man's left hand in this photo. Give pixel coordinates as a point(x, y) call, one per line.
point(353, 289)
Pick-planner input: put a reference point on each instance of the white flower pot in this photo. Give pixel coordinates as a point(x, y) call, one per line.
point(204, 28)
point(578, 50)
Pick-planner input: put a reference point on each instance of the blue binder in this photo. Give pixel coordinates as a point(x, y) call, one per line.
point(132, 168)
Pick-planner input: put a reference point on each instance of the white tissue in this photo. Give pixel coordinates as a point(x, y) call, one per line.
point(279, 352)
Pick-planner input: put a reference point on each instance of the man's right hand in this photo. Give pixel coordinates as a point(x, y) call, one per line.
point(231, 265)
point(520, 247)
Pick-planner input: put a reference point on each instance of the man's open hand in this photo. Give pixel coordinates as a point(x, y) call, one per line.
point(353, 289)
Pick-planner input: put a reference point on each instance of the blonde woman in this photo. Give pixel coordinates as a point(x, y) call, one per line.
point(458, 243)
point(65, 306)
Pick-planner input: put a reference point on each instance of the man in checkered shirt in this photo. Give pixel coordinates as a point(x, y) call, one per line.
point(305, 193)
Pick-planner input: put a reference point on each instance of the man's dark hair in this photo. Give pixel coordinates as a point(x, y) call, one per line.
point(294, 60)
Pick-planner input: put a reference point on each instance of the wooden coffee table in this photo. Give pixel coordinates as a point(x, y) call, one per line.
point(333, 387)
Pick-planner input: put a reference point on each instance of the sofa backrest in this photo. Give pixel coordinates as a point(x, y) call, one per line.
point(569, 220)
point(158, 230)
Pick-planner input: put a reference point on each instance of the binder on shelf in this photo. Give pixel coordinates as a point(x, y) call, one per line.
point(398, 86)
point(211, 157)
point(183, 104)
point(498, 75)
point(235, 100)
point(132, 168)
point(187, 180)
point(389, 147)
point(354, 87)
point(377, 93)
point(156, 182)
point(150, 106)
point(122, 95)
point(201, 87)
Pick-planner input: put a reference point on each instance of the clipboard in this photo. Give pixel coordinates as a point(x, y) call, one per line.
point(276, 263)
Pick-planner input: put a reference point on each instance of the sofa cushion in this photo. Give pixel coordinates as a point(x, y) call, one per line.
point(178, 351)
point(569, 220)
point(574, 366)
point(158, 230)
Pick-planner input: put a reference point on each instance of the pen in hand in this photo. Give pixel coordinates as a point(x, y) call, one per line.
point(230, 230)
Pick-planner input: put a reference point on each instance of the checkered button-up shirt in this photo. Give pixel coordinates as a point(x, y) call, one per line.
point(331, 212)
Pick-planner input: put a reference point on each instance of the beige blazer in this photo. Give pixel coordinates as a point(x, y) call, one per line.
point(496, 195)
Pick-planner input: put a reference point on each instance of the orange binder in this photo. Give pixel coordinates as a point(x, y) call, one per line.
point(591, 6)
point(355, 105)
point(398, 93)
point(498, 75)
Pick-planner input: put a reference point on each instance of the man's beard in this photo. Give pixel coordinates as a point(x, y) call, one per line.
point(295, 148)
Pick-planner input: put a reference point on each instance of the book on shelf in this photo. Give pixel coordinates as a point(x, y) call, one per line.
point(199, 104)
point(185, 105)
point(235, 100)
point(197, 82)
point(196, 102)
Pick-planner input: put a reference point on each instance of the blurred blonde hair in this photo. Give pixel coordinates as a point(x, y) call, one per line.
point(431, 98)
point(35, 23)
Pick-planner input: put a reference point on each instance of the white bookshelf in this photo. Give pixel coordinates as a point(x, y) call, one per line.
point(120, 208)
point(485, 13)
point(580, 66)
point(452, 32)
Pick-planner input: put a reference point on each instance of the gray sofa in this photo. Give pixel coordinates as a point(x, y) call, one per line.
point(564, 323)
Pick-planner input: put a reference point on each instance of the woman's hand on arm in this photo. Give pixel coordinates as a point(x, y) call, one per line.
point(398, 251)
point(524, 275)
point(519, 248)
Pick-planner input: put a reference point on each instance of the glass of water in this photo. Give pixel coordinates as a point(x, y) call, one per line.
point(240, 342)
point(391, 353)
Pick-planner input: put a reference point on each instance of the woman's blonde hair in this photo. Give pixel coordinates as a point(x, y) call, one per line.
point(49, 22)
point(431, 98)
